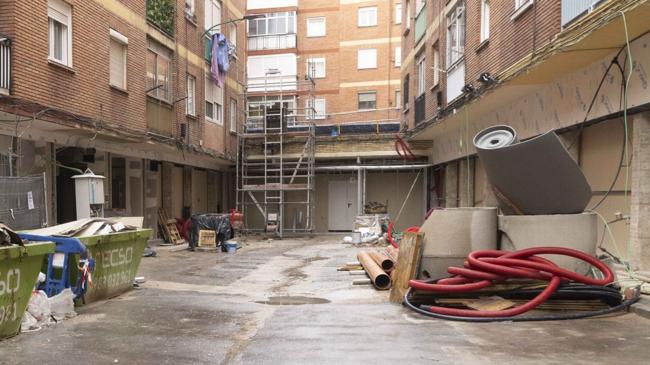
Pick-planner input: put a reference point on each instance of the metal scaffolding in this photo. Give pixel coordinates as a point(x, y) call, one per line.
point(276, 156)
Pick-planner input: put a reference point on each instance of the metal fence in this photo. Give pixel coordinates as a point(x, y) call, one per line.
point(22, 202)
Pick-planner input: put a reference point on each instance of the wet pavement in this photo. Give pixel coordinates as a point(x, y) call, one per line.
point(283, 302)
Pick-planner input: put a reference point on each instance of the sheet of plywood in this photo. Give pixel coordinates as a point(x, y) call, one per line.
point(408, 261)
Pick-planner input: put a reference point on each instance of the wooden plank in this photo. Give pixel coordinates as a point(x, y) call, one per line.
point(408, 261)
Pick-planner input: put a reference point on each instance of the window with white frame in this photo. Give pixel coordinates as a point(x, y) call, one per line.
point(233, 115)
point(398, 13)
point(367, 58)
point(455, 35)
point(190, 101)
point(316, 67)
point(398, 56)
point(316, 27)
point(213, 101)
point(398, 99)
point(117, 59)
point(318, 107)
point(408, 14)
point(436, 64)
point(367, 16)
point(273, 23)
point(419, 5)
point(422, 74)
point(190, 7)
point(367, 100)
point(212, 10)
point(485, 20)
point(158, 71)
point(520, 3)
point(59, 16)
point(232, 34)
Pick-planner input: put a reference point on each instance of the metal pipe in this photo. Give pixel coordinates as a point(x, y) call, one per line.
point(379, 278)
point(372, 168)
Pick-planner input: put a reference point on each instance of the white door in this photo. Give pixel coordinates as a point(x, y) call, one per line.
point(342, 208)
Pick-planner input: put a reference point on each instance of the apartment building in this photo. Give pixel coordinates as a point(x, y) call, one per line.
point(335, 65)
point(122, 88)
point(576, 67)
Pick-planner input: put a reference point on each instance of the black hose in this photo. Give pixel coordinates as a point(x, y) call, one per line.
point(556, 317)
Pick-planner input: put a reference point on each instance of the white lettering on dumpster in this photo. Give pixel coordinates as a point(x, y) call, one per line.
point(11, 282)
point(117, 257)
point(9, 285)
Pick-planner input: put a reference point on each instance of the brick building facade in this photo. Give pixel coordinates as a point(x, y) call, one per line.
point(122, 87)
point(541, 64)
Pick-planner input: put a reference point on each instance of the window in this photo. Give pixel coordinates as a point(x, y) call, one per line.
point(520, 3)
point(117, 59)
point(212, 15)
point(273, 23)
point(422, 74)
point(190, 102)
point(436, 64)
point(367, 58)
point(408, 14)
point(406, 92)
point(398, 14)
point(190, 6)
point(367, 100)
point(232, 34)
point(233, 115)
point(419, 5)
point(316, 68)
point(118, 183)
point(317, 107)
point(316, 27)
point(455, 35)
point(398, 96)
point(213, 101)
point(398, 56)
point(60, 32)
point(367, 17)
point(485, 20)
point(158, 71)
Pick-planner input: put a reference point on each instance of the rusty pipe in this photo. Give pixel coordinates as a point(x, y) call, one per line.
point(382, 260)
point(379, 278)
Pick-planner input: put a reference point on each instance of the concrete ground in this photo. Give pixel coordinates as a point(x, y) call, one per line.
point(215, 308)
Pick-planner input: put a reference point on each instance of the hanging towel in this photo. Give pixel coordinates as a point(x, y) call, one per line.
point(220, 62)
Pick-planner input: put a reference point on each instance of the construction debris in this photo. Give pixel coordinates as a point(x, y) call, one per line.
point(379, 278)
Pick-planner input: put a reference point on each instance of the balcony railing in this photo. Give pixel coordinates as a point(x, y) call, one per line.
point(573, 9)
point(420, 108)
point(276, 41)
point(5, 65)
point(273, 83)
point(420, 24)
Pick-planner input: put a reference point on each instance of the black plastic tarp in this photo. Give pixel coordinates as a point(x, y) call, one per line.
point(219, 223)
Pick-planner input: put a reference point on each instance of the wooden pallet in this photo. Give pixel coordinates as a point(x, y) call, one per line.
point(207, 238)
point(169, 229)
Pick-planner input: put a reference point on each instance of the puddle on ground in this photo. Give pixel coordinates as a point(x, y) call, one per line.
point(293, 300)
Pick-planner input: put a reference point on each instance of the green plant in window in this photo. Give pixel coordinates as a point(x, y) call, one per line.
point(161, 13)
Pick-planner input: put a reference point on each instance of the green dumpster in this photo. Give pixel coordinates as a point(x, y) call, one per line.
point(117, 259)
point(19, 268)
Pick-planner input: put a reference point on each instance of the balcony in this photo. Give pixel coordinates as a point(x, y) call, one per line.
point(420, 108)
point(161, 14)
point(276, 41)
point(5, 65)
point(574, 9)
point(420, 24)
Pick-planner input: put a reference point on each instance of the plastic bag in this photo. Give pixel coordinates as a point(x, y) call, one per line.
point(62, 305)
point(29, 323)
point(39, 306)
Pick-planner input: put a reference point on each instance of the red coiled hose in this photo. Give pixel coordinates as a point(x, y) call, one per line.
point(483, 268)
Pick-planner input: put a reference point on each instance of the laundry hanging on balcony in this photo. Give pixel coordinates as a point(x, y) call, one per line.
point(220, 62)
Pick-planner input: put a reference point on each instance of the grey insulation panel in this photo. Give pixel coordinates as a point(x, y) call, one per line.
point(538, 176)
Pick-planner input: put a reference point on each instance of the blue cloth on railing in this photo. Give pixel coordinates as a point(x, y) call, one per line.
point(220, 61)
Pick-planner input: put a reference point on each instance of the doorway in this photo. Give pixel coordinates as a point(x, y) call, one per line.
point(342, 207)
